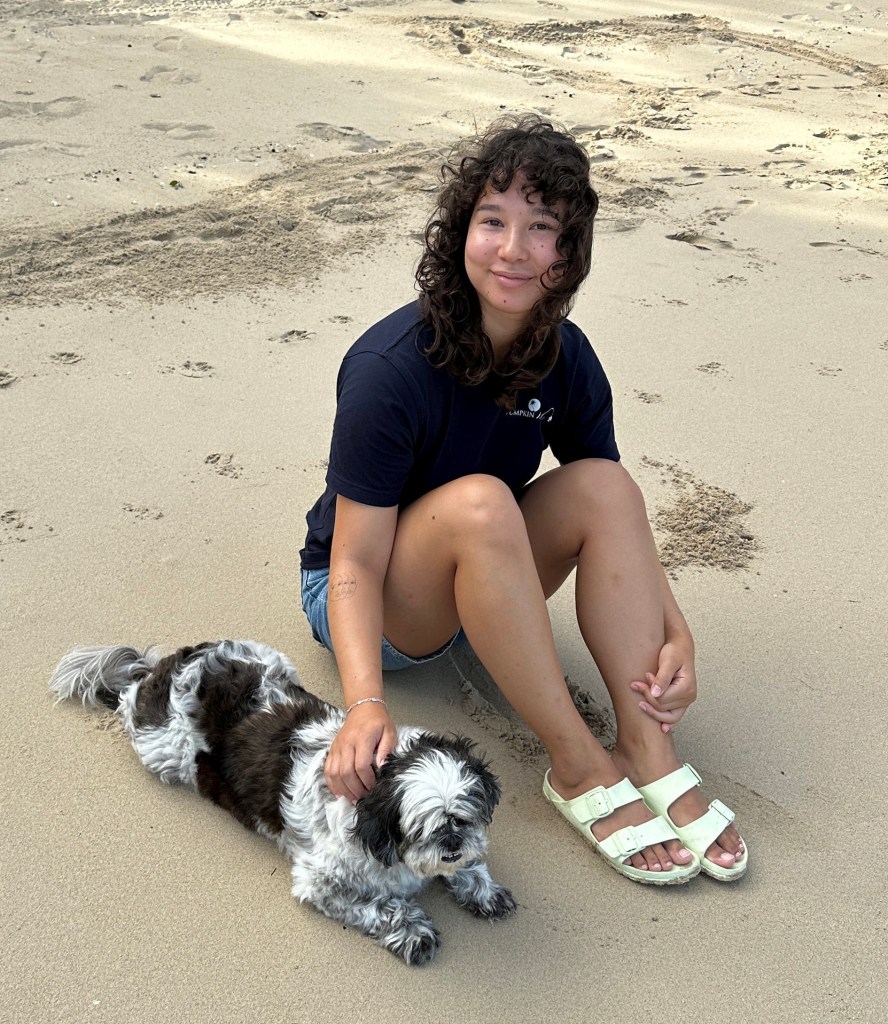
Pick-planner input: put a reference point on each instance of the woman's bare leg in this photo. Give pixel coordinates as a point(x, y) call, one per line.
point(591, 515)
point(462, 556)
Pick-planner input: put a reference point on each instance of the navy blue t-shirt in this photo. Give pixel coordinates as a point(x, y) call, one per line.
point(404, 427)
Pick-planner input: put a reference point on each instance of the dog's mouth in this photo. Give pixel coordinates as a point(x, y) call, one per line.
point(450, 858)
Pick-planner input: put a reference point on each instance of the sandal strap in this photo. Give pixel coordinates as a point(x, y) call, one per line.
point(597, 803)
point(700, 834)
point(633, 838)
point(662, 794)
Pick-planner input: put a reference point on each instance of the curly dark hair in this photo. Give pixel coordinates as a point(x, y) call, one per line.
point(553, 166)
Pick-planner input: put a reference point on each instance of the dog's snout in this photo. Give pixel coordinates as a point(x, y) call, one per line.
point(451, 843)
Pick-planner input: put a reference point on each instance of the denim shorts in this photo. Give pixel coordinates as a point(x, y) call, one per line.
point(314, 604)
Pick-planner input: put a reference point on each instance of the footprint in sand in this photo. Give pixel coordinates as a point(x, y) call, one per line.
point(64, 106)
point(195, 369)
point(143, 511)
point(18, 143)
point(795, 164)
point(649, 397)
point(223, 463)
point(638, 195)
point(692, 174)
point(13, 527)
point(190, 368)
point(16, 529)
point(618, 225)
point(288, 337)
point(175, 76)
point(846, 245)
point(181, 130)
point(719, 214)
point(772, 87)
point(340, 319)
point(703, 242)
point(599, 153)
point(828, 371)
point(355, 140)
point(348, 210)
point(7, 378)
point(66, 358)
point(713, 369)
point(168, 44)
point(220, 231)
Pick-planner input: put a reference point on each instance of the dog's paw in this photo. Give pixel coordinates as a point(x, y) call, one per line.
point(415, 945)
point(405, 929)
point(420, 948)
point(495, 904)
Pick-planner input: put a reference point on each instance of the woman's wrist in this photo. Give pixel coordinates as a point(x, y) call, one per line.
point(678, 634)
point(363, 701)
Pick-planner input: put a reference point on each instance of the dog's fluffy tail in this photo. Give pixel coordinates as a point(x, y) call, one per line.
point(98, 675)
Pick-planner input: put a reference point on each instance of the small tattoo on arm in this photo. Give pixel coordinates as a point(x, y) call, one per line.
point(342, 586)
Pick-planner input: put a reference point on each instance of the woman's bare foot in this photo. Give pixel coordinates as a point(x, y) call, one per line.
point(659, 857)
point(643, 766)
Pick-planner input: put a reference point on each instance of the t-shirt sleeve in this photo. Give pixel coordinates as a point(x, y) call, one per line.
point(586, 431)
point(374, 432)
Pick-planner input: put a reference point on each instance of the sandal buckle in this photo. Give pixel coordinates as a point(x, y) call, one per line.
point(597, 803)
point(723, 810)
point(628, 840)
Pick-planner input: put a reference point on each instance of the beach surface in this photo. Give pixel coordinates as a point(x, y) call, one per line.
point(202, 205)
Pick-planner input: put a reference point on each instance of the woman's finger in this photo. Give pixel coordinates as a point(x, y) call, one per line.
point(364, 772)
point(665, 717)
point(386, 746)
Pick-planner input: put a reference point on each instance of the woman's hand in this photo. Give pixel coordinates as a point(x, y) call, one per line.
point(669, 693)
point(365, 740)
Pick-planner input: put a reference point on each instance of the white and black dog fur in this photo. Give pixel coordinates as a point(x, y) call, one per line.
point(232, 719)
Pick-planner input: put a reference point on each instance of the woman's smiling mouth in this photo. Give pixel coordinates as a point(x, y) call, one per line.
point(507, 278)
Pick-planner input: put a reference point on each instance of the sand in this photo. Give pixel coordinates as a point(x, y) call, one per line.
point(201, 206)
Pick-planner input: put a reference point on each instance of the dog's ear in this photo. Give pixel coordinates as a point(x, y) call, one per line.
point(488, 788)
point(378, 820)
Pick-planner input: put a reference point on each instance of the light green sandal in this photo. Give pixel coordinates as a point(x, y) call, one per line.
point(699, 835)
point(583, 811)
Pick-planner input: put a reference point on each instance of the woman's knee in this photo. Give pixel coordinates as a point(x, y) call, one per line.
point(590, 490)
point(608, 485)
point(483, 506)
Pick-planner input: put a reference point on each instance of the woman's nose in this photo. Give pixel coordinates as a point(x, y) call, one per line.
point(512, 245)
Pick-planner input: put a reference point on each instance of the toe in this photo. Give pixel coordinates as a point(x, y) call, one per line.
point(719, 855)
point(677, 853)
point(731, 842)
point(662, 855)
point(652, 861)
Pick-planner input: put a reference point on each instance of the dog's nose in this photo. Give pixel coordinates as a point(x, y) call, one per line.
point(450, 844)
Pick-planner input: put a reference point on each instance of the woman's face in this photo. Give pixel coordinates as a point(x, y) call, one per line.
point(510, 246)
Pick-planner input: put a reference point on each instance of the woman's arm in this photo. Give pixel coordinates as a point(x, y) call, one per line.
point(674, 623)
point(363, 536)
point(667, 694)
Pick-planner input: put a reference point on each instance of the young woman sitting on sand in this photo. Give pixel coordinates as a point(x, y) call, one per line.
point(431, 523)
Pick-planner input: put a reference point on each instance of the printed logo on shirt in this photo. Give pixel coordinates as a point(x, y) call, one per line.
point(534, 411)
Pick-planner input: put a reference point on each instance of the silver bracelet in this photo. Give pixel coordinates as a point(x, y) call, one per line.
point(365, 700)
